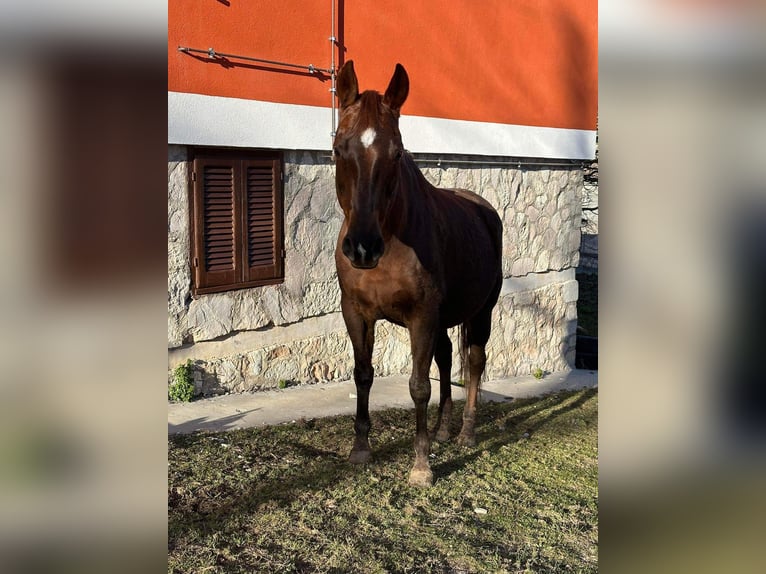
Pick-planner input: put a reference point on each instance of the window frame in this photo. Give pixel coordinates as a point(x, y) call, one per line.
point(241, 277)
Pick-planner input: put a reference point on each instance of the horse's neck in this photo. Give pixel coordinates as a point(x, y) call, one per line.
point(409, 206)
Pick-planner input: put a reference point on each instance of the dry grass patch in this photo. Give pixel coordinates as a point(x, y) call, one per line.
point(284, 499)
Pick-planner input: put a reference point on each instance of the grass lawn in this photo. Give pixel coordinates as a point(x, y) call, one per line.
point(284, 499)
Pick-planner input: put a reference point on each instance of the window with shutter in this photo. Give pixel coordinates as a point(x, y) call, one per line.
point(236, 220)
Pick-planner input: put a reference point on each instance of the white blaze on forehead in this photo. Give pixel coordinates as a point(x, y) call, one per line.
point(368, 136)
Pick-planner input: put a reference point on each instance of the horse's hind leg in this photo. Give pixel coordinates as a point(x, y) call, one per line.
point(477, 334)
point(476, 362)
point(443, 356)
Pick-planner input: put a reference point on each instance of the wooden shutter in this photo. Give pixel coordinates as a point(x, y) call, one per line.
point(215, 199)
point(262, 255)
point(237, 220)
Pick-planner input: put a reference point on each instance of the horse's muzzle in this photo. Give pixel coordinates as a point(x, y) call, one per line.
point(363, 254)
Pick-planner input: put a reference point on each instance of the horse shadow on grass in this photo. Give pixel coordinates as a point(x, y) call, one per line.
point(488, 436)
point(515, 427)
point(316, 469)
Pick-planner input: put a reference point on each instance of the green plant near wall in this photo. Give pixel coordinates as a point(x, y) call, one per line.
point(182, 387)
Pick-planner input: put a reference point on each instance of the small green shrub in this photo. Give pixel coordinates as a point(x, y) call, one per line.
point(182, 387)
point(282, 384)
point(538, 373)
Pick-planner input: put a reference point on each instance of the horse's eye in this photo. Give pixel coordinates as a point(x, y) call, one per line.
point(335, 152)
point(398, 155)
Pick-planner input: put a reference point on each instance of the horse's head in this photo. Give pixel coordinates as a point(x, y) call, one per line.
point(367, 150)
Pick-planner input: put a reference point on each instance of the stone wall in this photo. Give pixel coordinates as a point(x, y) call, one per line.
point(254, 338)
point(589, 227)
point(179, 271)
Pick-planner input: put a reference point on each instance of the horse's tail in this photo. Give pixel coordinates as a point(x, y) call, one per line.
point(465, 371)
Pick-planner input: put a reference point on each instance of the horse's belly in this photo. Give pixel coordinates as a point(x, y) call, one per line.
point(466, 296)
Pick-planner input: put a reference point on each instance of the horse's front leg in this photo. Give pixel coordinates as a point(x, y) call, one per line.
point(422, 340)
point(362, 334)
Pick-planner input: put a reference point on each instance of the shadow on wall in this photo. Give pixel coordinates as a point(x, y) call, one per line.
point(228, 63)
point(545, 331)
point(340, 33)
point(572, 63)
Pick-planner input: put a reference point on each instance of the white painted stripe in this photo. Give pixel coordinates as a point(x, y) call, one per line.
point(195, 119)
point(436, 135)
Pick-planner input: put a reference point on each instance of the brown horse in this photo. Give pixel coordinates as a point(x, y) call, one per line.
point(413, 254)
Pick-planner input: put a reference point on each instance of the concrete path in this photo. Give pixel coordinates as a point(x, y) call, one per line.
point(327, 399)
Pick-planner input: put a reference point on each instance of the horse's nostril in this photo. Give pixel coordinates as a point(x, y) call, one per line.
point(347, 248)
point(362, 254)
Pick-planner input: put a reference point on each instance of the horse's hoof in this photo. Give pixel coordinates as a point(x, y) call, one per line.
point(422, 478)
point(359, 456)
point(466, 439)
point(442, 435)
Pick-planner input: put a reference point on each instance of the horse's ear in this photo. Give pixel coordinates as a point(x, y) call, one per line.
point(347, 87)
point(398, 88)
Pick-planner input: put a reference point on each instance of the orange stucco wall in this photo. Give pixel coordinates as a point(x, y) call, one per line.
point(526, 62)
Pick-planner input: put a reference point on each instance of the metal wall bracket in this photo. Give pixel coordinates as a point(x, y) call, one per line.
point(211, 53)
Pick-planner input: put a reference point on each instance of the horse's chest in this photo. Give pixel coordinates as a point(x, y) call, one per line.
point(392, 292)
point(384, 297)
